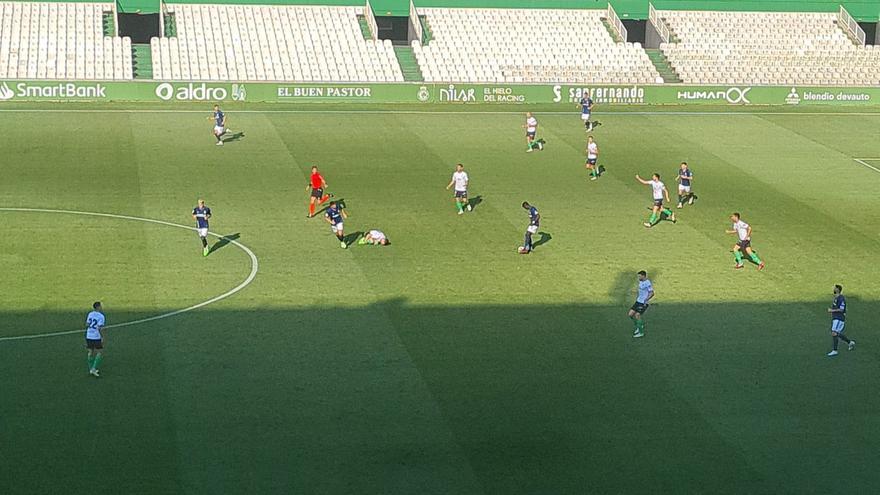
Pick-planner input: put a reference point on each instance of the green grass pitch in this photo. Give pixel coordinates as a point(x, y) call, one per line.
point(445, 363)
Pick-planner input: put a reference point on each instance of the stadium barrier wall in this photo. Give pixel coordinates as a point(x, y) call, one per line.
point(462, 94)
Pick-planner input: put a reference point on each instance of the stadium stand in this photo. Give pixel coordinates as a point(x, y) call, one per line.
point(767, 48)
point(60, 41)
point(528, 45)
point(277, 43)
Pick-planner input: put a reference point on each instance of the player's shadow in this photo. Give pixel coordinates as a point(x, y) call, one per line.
point(544, 239)
point(223, 241)
point(352, 238)
point(474, 202)
point(233, 137)
point(596, 124)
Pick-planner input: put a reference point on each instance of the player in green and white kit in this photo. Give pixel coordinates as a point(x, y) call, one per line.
point(636, 312)
point(659, 191)
point(460, 181)
point(94, 341)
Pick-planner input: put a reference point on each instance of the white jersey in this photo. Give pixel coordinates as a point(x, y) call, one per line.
point(461, 180)
point(592, 150)
point(94, 323)
point(531, 124)
point(645, 290)
point(742, 230)
point(377, 235)
point(658, 188)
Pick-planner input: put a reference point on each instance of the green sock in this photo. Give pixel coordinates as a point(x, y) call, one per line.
point(459, 205)
point(594, 172)
point(97, 361)
point(653, 218)
point(91, 360)
point(680, 199)
point(667, 212)
point(754, 257)
point(641, 325)
point(737, 255)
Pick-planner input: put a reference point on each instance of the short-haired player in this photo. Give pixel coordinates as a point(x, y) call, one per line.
point(658, 192)
point(838, 321)
point(586, 105)
point(531, 229)
point(637, 311)
point(460, 180)
point(592, 158)
point(316, 185)
point(374, 237)
point(685, 177)
point(743, 244)
point(220, 129)
point(334, 215)
point(531, 127)
point(94, 340)
point(201, 214)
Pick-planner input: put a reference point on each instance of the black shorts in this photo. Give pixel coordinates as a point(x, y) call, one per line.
point(744, 244)
point(96, 344)
point(317, 193)
point(460, 194)
point(658, 202)
point(591, 161)
point(639, 308)
point(530, 134)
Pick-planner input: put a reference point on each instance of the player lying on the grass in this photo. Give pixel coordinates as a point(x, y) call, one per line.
point(531, 127)
point(685, 176)
point(636, 312)
point(201, 214)
point(744, 243)
point(334, 215)
point(586, 105)
point(534, 222)
point(220, 129)
point(838, 321)
point(460, 181)
point(94, 340)
point(659, 192)
point(316, 185)
point(593, 157)
point(374, 238)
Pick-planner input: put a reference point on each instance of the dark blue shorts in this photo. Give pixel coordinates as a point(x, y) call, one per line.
point(531, 134)
point(592, 161)
point(658, 202)
point(96, 344)
point(460, 194)
point(317, 193)
point(639, 308)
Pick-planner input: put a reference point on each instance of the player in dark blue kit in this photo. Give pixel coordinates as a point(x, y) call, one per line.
point(334, 215)
point(220, 129)
point(534, 222)
point(838, 321)
point(201, 214)
point(586, 105)
point(685, 176)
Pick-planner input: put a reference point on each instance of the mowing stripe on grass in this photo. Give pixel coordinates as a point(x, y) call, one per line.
point(242, 285)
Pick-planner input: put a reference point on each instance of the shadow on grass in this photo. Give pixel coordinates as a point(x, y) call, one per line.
point(544, 238)
point(474, 202)
point(233, 137)
point(223, 242)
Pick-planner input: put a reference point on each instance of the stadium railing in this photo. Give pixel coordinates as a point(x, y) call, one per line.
point(415, 21)
point(657, 22)
point(616, 23)
point(846, 21)
point(371, 20)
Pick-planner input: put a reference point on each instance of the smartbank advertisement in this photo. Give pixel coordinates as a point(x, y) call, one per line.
point(563, 95)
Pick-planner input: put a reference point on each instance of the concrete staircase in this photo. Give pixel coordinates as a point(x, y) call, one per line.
point(408, 64)
point(142, 61)
point(667, 72)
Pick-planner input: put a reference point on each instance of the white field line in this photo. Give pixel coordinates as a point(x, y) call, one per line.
point(864, 161)
point(350, 111)
point(242, 285)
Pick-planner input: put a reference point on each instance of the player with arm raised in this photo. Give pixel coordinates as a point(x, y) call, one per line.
point(744, 232)
point(201, 214)
point(659, 192)
point(460, 181)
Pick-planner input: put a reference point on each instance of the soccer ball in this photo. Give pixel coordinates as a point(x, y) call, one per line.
point(520, 250)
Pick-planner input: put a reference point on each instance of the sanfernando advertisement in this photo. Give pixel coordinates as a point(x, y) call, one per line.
point(490, 94)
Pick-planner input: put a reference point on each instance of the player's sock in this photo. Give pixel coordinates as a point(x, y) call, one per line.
point(325, 198)
point(640, 323)
point(834, 339)
point(754, 257)
point(528, 241)
point(204, 242)
point(311, 209)
point(843, 338)
point(680, 199)
point(667, 212)
point(653, 218)
point(97, 362)
point(91, 360)
point(218, 137)
point(460, 206)
point(737, 255)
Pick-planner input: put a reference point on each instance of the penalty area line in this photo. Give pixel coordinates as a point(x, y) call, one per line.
point(864, 161)
point(255, 264)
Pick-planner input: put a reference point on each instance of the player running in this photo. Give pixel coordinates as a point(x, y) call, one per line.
point(531, 127)
point(534, 223)
point(374, 238)
point(316, 185)
point(220, 129)
point(334, 215)
point(659, 192)
point(592, 158)
point(94, 341)
point(586, 105)
point(460, 181)
point(685, 176)
point(201, 214)
point(637, 311)
point(838, 321)
point(744, 232)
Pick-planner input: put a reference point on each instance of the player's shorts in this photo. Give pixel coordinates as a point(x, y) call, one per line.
point(837, 326)
point(658, 202)
point(203, 232)
point(532, 229)
point(531, 134)
point(317, 193)
point(219, 129)
point(96, 344)
point(639, 308)
point(336, 227)
point(744, 244)
point(585, 116)
point(684, 189)
point(460, 194)
point(592, 161)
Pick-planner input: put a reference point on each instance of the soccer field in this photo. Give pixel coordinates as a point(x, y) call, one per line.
point(445, 363)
